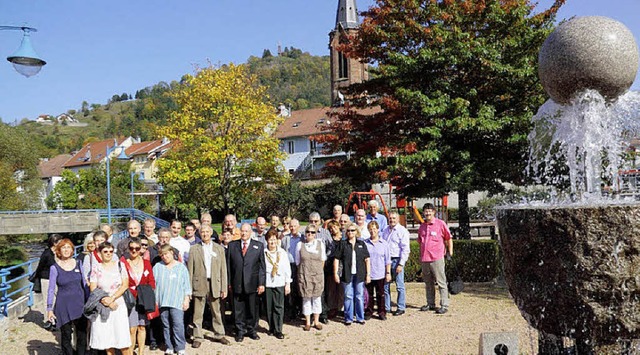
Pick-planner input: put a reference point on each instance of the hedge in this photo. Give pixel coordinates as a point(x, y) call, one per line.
point(473, 260)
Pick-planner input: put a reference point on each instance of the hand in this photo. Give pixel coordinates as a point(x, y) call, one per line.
point(368, 279)
point(106, 301)
point(287, 289)
point(399, 269)
point(337, 278)
point(260, 289)
point(113, 306)
point(50, 316)
point(448, 257)
point(387, 278)
point(185, 305)
point(223, 295)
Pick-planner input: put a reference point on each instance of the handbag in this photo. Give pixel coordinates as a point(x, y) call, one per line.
point(129, 300)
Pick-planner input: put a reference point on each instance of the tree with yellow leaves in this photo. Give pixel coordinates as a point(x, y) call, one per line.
point(224, 143)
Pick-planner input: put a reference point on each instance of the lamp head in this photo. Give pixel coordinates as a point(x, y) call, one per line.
point(25, 60)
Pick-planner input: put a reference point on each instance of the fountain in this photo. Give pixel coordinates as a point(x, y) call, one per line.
point(573, 267)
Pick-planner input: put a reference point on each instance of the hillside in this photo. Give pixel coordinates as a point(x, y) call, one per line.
point(293, 77)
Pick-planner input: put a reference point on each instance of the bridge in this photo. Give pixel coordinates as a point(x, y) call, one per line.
point(65, 221)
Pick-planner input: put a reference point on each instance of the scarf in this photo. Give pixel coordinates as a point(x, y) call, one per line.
point(274, 271)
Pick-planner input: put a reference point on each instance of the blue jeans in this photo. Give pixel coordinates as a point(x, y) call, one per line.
point(399, 286)
point(349, 297)
point(173, 328)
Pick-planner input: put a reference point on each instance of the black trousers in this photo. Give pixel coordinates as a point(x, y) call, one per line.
point(378, 287)
point(246, 312)
point(81, 336)
point(293, 300)
point(275, 308)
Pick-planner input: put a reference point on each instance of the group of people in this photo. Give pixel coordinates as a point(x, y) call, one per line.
point(163, 284)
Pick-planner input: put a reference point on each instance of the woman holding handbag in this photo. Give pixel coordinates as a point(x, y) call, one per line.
point(140, 273)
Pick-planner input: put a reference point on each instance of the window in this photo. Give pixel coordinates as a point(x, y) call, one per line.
point(313, 145)
point(290, 146)
point(343, 66)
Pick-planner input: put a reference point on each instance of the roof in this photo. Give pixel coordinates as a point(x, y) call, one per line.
point(304, 123)
point(53, 166)
point(92, 153)
point(347, 15)
point(143, 148)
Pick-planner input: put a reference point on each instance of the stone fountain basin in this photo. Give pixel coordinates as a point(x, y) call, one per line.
point(575, 271)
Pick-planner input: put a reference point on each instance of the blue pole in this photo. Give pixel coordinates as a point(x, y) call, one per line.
point(108, 188)
point(132, 175)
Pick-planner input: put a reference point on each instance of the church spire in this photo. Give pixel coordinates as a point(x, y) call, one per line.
point(347, 16)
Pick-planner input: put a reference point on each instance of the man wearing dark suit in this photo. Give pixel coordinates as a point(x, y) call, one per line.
point(207, 267)
point(247, 276)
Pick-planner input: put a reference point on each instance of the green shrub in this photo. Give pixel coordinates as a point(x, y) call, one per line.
point(12, 256)
point(473, 260)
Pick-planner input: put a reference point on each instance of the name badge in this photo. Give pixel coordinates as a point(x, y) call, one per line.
point(146, 273)
point(76, 270)
point(433, 233)
point(213, 253)
point(360, 246)
point(255, 247)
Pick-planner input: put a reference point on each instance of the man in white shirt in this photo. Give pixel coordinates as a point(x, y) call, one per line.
point(178, 242)
point(361, 223)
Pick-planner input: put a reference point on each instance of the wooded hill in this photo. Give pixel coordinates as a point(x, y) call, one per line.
point(294, 78)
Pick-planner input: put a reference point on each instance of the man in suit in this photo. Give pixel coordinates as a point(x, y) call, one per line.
point(207, 267)
point(247, 276)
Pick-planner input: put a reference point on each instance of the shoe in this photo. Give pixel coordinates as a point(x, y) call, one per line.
point(224, 341)
point(254, 336)
point(318, 326)
point(196, 344)
point(324, 320)
point(239, 338)
point(399, 312)
point(307, 327)
point(383, 317)
point(168, 352)
point(153, 346)
point(182, 352)
point(279, 336)
point(361, 322)
point(427, 308)
point(367, 316)
point(347, 323)
point(441, 310)
point(269, 333)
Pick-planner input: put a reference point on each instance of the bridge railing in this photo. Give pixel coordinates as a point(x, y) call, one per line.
point(8, 292)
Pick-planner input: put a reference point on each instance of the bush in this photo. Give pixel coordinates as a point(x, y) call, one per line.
point(10, 256)
point(473, 261)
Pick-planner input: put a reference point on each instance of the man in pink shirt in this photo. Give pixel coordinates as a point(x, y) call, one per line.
point(435, 240)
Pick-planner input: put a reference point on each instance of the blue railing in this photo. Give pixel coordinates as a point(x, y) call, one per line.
point(115, 213)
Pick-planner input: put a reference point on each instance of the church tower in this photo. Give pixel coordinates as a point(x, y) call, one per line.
point(344, 71)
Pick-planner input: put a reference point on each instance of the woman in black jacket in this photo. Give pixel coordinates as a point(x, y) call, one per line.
point(354, 255)
point(47, 259)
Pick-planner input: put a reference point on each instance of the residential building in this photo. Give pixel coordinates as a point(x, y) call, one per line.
point(50, 171)
point(95, 152)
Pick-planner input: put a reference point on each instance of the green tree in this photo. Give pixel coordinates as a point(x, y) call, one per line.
point(20, 184)
point(223, 139)
point(457, 84)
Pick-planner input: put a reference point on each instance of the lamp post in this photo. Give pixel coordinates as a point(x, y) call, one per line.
point(25, 60)
point(121, 156)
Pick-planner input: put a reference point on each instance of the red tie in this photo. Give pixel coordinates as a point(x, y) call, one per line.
point(244, 248)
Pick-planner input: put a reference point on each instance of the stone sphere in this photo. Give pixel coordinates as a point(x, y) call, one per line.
point(592, 52)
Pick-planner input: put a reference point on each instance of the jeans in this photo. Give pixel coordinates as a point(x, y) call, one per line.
point(353, 293)
point(399, 286)
point(173, 328)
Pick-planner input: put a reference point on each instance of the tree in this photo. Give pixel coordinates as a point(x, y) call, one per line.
point(456, 85)
point(20, 184)
point(266, 54)
point(224, 145)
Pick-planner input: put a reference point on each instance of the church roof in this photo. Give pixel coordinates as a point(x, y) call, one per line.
point(347, 16)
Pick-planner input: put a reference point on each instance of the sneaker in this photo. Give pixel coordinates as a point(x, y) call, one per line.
point(153, 346)
point(182, 352)
point(441, 310)
point(427, 308)
point(168, 352)
point(398, 312)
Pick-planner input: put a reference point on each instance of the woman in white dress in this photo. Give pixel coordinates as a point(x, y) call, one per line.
point(112, 278)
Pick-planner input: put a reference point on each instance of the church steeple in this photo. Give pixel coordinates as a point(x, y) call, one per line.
point(347, 15)
point(344, 70)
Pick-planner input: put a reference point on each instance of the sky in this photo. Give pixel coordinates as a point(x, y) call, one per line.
point(95, 49)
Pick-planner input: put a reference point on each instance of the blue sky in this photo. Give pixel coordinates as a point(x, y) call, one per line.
point(95, 49)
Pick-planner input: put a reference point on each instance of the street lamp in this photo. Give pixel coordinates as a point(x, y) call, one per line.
point(121, 156)
point(25, 60)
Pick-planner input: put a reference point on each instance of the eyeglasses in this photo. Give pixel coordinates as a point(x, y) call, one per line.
point(311, 232)
point(134, 248)
point(351, 230)
point(144, 245)
point(107, 251)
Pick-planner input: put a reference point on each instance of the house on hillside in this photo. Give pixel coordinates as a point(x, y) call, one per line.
point(95, 152)
point(144, 156)
point(50, 171)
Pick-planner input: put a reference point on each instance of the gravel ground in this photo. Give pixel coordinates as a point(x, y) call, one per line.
point(480, 308)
